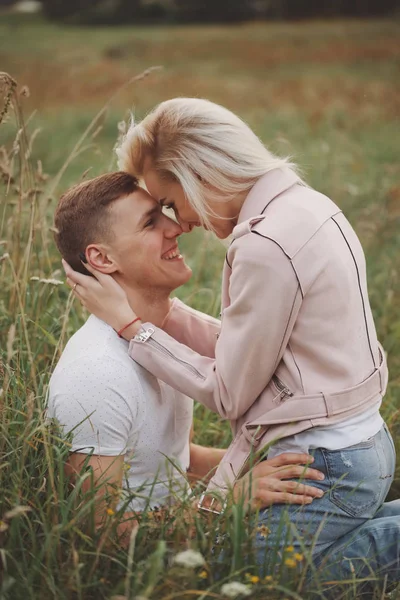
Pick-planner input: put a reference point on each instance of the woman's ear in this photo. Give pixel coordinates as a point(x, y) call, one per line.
point(99, 258)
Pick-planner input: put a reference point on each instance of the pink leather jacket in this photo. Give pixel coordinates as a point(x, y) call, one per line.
point(296, 346)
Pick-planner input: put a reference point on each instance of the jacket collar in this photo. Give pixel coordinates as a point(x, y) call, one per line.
point(267, 188)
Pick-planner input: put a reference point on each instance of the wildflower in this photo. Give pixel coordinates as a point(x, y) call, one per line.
point(252, 578)
point(290, 549)
point(268, 579)
point(203, 574)
point(110, 512)
point(235, 589)
point(290, 562)
point(263, 531)
point(298, 557)
point(3, 526)
point(189, 558)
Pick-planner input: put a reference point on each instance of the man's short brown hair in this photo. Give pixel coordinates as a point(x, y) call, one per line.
point(82, 214)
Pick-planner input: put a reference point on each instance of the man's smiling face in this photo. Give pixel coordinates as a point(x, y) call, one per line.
point(142, 246)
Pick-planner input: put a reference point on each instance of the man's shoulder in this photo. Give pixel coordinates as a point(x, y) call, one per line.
point(95, 354)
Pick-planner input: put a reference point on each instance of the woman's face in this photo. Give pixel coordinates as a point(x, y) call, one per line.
point(171, 195)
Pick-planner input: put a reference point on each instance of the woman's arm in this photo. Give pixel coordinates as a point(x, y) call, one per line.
point(192, 328)
point(265, 298)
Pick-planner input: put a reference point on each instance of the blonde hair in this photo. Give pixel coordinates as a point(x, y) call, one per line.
point(196, 143)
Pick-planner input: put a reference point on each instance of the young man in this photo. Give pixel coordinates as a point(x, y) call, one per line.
point(135, 428)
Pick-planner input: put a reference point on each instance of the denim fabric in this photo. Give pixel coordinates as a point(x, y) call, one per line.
point(371, 552)
point(357, 480)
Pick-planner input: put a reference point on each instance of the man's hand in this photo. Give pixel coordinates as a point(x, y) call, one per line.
point(267, 483)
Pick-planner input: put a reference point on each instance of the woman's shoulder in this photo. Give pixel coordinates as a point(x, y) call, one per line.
point(290, 221)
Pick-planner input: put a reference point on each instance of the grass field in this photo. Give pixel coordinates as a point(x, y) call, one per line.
point(326, 93)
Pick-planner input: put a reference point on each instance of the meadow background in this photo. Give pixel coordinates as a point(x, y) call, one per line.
point(325, 92)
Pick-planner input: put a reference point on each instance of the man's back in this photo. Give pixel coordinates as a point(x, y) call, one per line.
point(113, 407)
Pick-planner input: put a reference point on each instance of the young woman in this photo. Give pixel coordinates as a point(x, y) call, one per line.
point(295, 364)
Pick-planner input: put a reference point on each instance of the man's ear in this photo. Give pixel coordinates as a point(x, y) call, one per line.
point(99, 258)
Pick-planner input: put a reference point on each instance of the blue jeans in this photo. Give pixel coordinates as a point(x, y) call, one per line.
point(349, 520)
point(370, 552)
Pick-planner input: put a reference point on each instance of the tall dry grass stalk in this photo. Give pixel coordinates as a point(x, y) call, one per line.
point(29, 267)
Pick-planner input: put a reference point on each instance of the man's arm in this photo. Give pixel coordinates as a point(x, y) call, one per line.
point(203, 462)
point(106, 479)
point(96, 402)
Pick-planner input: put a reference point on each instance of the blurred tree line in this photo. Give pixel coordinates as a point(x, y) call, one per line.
point(139, 11)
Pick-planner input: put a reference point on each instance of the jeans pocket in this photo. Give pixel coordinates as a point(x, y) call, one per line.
point(356, 476)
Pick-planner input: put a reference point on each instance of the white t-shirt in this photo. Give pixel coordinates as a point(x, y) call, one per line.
point(332, 437)
point(113, 406)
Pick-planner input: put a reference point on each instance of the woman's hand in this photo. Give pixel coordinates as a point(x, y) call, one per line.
point(103, 297)
point(267, 483)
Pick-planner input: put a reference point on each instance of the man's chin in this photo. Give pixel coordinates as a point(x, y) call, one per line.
point(184, 278)
point(181, 279)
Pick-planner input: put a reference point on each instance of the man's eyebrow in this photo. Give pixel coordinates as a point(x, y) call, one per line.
point(149, 213)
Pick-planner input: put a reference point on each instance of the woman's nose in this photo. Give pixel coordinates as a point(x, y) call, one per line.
point(186, 227)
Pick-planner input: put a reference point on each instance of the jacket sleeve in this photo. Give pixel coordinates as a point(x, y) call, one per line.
point(264, 293)
point(192, 328)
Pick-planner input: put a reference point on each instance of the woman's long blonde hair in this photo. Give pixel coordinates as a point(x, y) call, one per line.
point(198, 143)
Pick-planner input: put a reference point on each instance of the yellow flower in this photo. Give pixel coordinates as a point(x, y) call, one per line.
point(290, 549)
point(110, 512)
point(252, 578)
point(298, 557)
point(263, 530)
point(268, 579)
point(203, 574)
point(290, 562)
point(3, 526)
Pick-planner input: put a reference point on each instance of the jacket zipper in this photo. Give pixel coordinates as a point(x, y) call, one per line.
point(145, 336)
point(281, 387)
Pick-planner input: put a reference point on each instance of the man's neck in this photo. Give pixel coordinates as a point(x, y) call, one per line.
point(150, 305)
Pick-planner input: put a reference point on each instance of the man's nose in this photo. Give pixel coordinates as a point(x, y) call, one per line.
point(173, 229)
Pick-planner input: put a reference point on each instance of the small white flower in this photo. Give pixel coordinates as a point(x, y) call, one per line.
point(235, 589)
point(189, 558)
